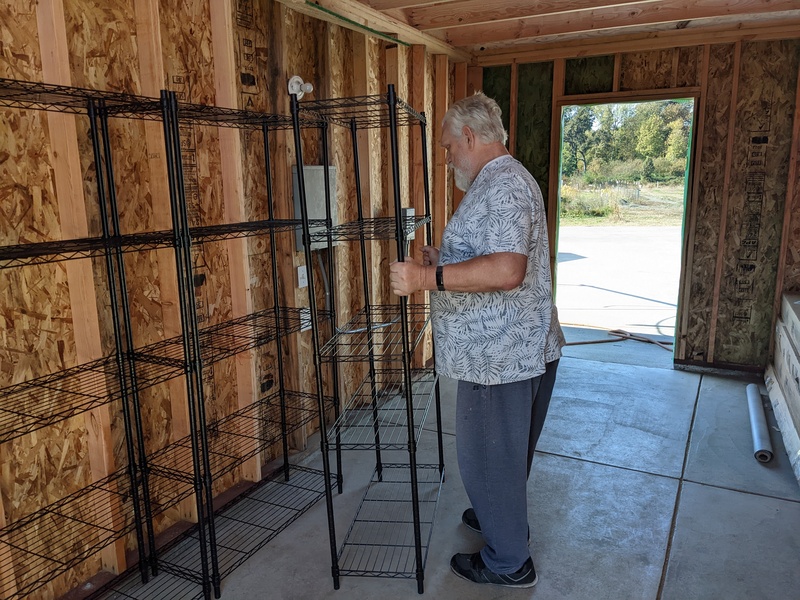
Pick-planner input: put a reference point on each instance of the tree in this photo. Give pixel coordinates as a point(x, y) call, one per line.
point(648, 169)
point(651, 138)
point(577, 126)
point(677, 141)
point(602, 138)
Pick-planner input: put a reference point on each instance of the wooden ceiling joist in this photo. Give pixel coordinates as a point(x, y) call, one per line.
point(508, 27)
point(640, 41)
point(675, 12)
point(466, 13)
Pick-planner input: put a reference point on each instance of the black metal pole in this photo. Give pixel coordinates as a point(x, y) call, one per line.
point(367, 300)
point(429, 236)
point(126, 315)
point(276, 301)
point(177, 192)
point(332, 296)
point(312, 301)
point(197, 360)
point(401, 240)
point(98, 122)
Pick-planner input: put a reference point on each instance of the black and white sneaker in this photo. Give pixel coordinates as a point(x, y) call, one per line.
point(472, 568)
point(470, 519)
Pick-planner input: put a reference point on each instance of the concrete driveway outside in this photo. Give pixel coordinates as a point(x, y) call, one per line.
point(619, 277)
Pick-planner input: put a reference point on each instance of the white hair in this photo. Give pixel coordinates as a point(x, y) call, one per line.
point(481, 114)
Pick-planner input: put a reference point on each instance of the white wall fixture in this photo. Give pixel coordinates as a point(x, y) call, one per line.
point(299, 87)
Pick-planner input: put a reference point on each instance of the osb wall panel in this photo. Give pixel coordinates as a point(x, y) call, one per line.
point(791, 279)
point(383, 198)
point(759, 171)
point(307, 57)
point(375, 201)
point(533, 120)
point(349, 286)
point(103, 56)
point(711, 179)
point(189, 67)
point(20, 57)
point(36, 330)
point(589, 75)
point(646, 70)
point(689, 65)
point(255, 79)
point(497, 85)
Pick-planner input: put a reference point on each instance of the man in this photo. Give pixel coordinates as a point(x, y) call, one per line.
point(491, 316)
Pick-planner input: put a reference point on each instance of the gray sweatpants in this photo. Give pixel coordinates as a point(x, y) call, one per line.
point(494, 427)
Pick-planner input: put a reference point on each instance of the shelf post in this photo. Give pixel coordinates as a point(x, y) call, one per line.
point(312, 302)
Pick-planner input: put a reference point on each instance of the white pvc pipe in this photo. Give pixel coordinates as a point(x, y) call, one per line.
point(762, 447)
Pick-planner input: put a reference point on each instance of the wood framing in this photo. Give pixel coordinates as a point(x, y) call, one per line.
point(682, 317)
point(460, 90)
point(474, 79)
point(228, 93)
point(512, 109)
point(68, 176)
point(783, 281)
point(719, 34)
point(441, 177)
point(559, 71)
point(724, 208)
point(368, 21)
point(614, 18)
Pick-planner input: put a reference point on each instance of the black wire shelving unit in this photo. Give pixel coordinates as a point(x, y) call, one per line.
point(155, 481)
point(390, 534)
point(40, 546)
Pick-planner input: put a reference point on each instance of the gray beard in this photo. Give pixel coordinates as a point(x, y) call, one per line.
point(462, 180)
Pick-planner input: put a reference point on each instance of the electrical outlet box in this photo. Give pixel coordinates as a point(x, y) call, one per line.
point(305, 319)
point(302, 276)
point(408, 215)
point(314, 179)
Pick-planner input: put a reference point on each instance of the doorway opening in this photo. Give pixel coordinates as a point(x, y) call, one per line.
point(622, 194)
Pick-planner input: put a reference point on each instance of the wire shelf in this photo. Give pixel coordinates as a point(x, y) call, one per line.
point(249, 522)
point(355, 429)
point(37, 253)
point(31, 405)
point(238, 437)
point(164, 587)
point(381, 228)
point(351, 343)
point(164, 360)
point(238, 230)
point(380, 541)
point(43, 545)
point(368, 112)
point(68, 99)
point(59, 98)
point(41, 402)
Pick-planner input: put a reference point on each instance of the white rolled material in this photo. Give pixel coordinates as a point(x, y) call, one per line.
point(762, 447)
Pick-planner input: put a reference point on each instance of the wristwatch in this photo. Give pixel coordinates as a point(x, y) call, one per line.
point(439, 279)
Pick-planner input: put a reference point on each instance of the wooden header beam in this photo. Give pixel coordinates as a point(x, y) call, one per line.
point(360, 17)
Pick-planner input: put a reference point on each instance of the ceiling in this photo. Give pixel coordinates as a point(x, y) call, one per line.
point(482, 27)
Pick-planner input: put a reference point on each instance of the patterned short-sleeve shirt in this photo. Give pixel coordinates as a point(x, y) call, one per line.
point(496, 337)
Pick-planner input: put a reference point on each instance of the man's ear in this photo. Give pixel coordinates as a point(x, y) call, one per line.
point(469, 135)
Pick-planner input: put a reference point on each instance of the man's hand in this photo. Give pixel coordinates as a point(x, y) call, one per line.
point(430, 256)
point(407, 277)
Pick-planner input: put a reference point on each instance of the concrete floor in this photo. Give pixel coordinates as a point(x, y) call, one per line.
point(593, 291)
point(644, 486)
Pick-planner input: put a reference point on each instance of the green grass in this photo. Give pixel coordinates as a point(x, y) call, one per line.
point(649, 205)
